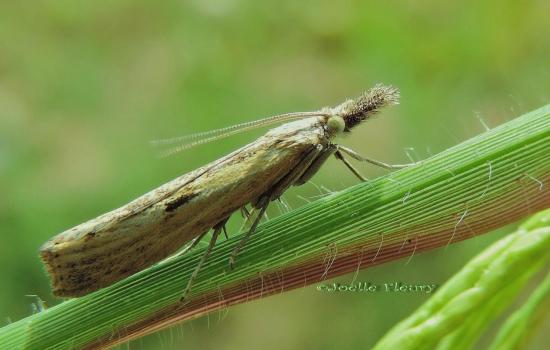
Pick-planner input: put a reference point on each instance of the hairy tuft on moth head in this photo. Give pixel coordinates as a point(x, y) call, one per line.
point(368, 104)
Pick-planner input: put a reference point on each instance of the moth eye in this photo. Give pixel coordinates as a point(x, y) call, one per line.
point(335, 125)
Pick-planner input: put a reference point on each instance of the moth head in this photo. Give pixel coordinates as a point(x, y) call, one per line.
point(353, 112)
point(335, 125)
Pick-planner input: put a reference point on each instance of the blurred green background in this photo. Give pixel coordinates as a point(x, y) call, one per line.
point(84, 86)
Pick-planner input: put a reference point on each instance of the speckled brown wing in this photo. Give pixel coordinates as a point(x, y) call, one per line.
point(126, 240)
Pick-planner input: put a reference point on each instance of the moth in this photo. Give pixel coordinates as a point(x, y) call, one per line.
point(119, 243)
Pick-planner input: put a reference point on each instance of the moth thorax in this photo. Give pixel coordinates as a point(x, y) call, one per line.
point(335, 125)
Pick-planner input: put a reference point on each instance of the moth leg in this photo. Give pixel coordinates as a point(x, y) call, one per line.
point(243, 240)
point(247, 218)
point(245, 212)
point(355, 172)
point(225, 232)
point(361, 158)
point(315, 165)
point(217, 230)
point(193, 244)
point(305, 169)
point(275, 192)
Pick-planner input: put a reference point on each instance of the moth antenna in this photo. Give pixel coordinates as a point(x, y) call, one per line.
point(200, 138)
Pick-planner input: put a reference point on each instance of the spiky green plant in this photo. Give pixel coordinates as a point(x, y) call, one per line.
point(461, 311)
